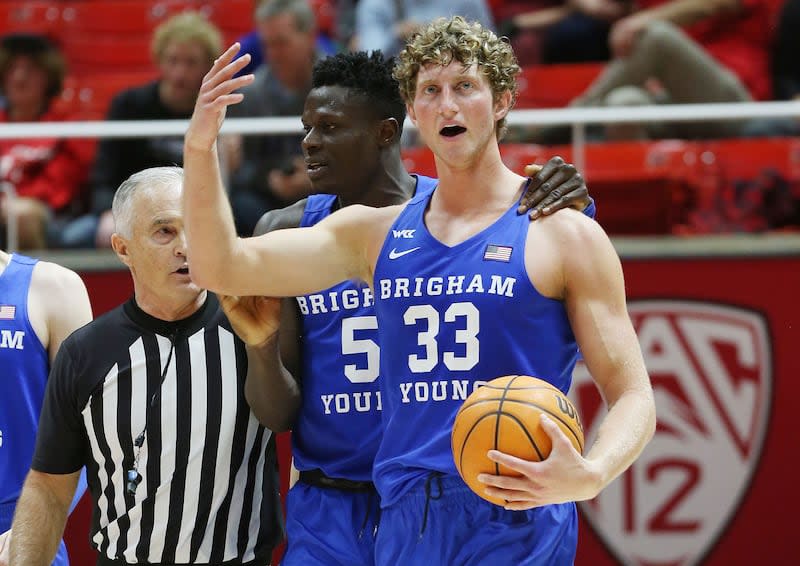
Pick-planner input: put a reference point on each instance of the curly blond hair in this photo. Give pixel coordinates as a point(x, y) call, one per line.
point(455, 39)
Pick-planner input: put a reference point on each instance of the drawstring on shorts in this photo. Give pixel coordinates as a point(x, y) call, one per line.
point(428, 497)
point(372, 503)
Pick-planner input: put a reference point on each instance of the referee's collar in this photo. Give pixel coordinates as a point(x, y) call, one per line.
point(189, 325)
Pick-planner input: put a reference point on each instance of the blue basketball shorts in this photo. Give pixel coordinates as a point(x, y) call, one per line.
point(441, 521)
point(329, 527)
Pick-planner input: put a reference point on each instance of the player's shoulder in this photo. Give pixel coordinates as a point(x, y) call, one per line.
point(570, 227)
point(51, 277)
point(281, 218)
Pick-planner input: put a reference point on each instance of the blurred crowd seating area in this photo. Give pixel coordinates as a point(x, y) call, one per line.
point(641, 187)
point(107, 42)
point(107, 46)
point(676, 186)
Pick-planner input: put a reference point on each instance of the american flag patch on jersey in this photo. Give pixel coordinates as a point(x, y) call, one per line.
point(498, 253)
point(7, 312)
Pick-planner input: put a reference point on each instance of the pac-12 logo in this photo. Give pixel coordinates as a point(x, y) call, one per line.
point(711, 370)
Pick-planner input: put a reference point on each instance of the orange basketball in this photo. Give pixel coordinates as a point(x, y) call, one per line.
point(504, 415)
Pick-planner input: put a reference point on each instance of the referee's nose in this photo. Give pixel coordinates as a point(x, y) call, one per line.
point(180, 244)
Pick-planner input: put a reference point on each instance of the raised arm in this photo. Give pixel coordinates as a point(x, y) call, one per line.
point(271, 387)
point(40, 517)
point(283, 263)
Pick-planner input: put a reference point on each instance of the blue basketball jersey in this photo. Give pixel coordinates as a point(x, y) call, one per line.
point(452, 318)
point(338, 428)
point(23, 376)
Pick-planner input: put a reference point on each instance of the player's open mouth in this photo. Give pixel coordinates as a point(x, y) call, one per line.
point(182, 271)
point(452, 131)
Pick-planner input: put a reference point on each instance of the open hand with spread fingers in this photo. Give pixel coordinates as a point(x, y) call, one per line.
point(217, 92)
point(554, 185)
point(563, 476)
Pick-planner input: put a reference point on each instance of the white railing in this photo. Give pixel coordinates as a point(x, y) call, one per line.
point(291, 124)
point(578, 117)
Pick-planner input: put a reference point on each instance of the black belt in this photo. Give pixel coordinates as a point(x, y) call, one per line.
point(318, 479)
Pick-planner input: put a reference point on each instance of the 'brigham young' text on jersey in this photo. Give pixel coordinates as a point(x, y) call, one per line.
point(452, 318)
point(339, 424)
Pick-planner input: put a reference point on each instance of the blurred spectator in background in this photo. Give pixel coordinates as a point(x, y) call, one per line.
point(184, 48)
point(267, 171)
point(345, 24)
point(387, 24)
point(785, 73)
point(327, 43)
point(47, 174)
point(563, 31)
point(722, 55)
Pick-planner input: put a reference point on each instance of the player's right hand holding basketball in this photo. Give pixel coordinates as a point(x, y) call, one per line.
point(563, 476)
point(216, 93)
point(254, 319)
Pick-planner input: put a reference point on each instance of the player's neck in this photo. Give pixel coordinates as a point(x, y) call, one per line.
point(4, 259)
point(392, 185)
point(485, 184)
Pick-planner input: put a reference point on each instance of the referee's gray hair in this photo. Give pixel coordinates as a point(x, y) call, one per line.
point(155, 177)
point(304, 17)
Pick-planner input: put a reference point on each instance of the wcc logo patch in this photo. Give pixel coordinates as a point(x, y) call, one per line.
point(711, 370)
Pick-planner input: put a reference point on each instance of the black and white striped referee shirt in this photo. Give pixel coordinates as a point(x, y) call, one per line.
point(209, 489)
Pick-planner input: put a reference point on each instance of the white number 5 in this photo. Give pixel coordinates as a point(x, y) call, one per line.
point(353, 345)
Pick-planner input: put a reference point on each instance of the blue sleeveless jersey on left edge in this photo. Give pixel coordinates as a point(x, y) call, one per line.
point(24, 368)
point(339, 426)
point(23, 376)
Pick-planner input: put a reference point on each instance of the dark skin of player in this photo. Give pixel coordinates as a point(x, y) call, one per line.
point(353, 153)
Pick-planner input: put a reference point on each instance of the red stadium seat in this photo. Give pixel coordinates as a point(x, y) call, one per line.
point(724, 165)
point(32, 17)
point(88, 54)
point(554, 86)
point(640, 187)
point(119, 17)
point(233, 17)
point(747, 158)
point(91, 94)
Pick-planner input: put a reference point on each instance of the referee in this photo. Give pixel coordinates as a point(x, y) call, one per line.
point(150, 398)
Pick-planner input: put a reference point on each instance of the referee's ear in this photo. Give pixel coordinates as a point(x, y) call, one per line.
point(120, 247)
